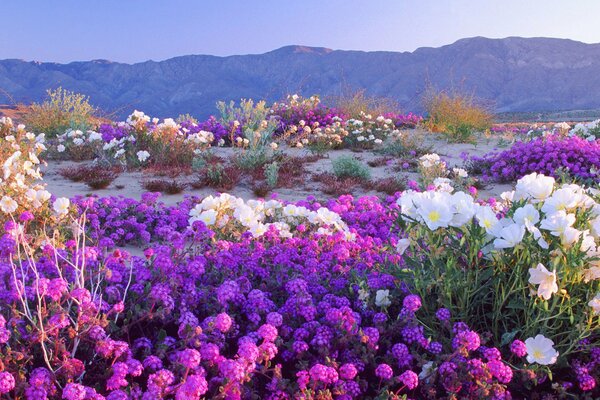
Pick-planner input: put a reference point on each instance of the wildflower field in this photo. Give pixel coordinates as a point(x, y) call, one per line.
point(298, 251)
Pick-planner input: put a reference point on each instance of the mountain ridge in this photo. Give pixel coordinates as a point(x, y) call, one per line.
point(516, 74)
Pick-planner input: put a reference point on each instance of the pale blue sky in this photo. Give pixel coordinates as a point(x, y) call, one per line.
point(138, 30)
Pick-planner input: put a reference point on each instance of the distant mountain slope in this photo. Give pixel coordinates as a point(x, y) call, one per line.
point(517, 74)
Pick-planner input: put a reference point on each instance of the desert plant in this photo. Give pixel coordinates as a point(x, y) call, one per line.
point(61, 110)
point(350, 167)
point(457, 114)
point(355, 102)
point(168, 186)
point(271, 174)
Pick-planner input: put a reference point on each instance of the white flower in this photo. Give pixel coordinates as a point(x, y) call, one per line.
point(382, 298)
point(209, 217)
point(460, 172)
point(558, 222)
point(487, 218)
point(61, 205)
point(143, 155)
point(595, 304)
point(119, 153)
point(545, 279)
point(526, 215)
point(435, 211)
point(463, 207)
point(535, 186)
point(402, 245)
point(8, 205)
point(274, 146)
point(540, 350)
point(509, 236)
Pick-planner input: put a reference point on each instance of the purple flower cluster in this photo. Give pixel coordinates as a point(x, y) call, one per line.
point(273, 317)
point(551, 155)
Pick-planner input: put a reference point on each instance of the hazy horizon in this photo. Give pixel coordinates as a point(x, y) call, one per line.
point(136, 31)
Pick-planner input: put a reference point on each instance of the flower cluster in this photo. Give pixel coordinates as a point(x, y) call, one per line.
point(552, 155)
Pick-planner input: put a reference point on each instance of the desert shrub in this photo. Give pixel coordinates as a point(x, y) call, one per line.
point(350, 167)
point(551, 155)
point(456, 114)
point(93, 176)
point(353, 103)
point(61, 110)
point(335, 186)
point(218, 176)
point(168, 186)
point(389, 185)
point(256, 148)
point(271, 171)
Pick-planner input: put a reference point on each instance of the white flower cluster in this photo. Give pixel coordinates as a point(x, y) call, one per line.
point(546, 211)
point(371, 130)
point(229, 213)
point(20, 168)
point(589, 131)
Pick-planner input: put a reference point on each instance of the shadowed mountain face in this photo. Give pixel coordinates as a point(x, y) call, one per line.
point(516, 74)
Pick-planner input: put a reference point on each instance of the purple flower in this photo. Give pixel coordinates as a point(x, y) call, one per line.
point(7, 382)
point(384, 371)
point(409, 379)
point(518, 348)
point(412, 302)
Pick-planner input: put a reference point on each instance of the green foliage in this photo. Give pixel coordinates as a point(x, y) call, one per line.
point(350, 167)
point(249, 114)
point(62, 110)
point(271, 174)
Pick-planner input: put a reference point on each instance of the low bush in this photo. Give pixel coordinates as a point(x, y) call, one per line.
point(62, 110)
point(457, 115)
point(350, 167)
point(168, 186)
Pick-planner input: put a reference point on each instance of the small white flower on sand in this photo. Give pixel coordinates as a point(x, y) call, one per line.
point(60, 148)
point(540, 350)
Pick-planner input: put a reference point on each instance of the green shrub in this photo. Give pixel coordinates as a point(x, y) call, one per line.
point(271, 174)
point(350, 167)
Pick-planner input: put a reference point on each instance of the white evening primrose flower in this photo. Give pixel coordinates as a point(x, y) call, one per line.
point(460, 172)
point(562, 199)
point(142, 155)
point(486, 218)
point(61, 205)
point(435, 211)
point(274, 146)
point(595, 225)
point(540, 350)
point(463, 207)
point(558, 222)
point(595, 304)
point(8, 205)
point(534, 186)
point(527, 215)
point(382, 298)
point(402, 245)
point(545, 279)
point(209, 217)
point(509, 236)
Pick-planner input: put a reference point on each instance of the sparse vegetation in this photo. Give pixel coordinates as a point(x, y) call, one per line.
point(62, 110)
point(350, 167)
point(456, 114)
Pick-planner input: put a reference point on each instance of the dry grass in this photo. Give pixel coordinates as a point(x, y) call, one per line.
point(456, 114)
point(352, 103)
point(168, 186)
point(95, 177)
point(61, 110)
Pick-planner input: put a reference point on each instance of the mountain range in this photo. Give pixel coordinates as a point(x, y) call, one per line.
point(515, 74)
